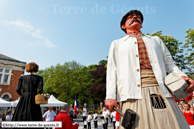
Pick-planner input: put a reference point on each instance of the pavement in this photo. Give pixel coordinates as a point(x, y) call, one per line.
point(79, 120)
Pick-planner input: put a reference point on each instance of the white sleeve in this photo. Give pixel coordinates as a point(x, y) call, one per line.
point(168, 60)
point(111, 76)
point(54, 113)
point(44, 115)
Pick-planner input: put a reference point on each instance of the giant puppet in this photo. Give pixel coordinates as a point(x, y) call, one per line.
point(137, 65)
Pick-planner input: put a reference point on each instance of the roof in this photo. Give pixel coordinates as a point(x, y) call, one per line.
point(6, 58)
point(52, 101)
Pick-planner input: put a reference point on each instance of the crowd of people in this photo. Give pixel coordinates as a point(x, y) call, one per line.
point(6, 117)
point(106, 117)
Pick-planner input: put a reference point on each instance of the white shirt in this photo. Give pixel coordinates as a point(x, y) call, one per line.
point(8, 117)
point(95, 117)
point(85, 112)
point(49, 116)
point(113, 115)
point(105, 113)
point(123, 67)
point(89, 117)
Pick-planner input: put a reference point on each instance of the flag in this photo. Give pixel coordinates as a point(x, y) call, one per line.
point(76, 106)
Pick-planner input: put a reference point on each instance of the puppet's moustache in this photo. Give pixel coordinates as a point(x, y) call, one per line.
point(135, 19)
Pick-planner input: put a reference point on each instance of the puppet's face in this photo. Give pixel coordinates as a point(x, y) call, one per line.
point(133, 22)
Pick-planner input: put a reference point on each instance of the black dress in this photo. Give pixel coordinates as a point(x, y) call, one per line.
point(26, 109)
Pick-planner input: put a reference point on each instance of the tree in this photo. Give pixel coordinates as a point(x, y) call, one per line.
point(98, 89)
point(176, 49)
point(189, 45)
point(67, 80)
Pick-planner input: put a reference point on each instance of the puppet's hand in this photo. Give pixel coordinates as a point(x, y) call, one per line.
point(110, 103)
point(190, 82)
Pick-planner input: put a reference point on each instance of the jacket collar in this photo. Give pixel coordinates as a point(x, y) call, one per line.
point(127, 36)
point(62, 112)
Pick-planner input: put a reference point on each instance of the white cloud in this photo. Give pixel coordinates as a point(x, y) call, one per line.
point(34, 32)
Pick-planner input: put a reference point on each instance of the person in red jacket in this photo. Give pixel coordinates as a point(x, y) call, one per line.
point(65, 118)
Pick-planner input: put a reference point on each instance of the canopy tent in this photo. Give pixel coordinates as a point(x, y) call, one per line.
point(4, 103)
point(14, 103)
point(52, 101)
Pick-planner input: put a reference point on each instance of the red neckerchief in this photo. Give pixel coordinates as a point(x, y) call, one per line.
point(133, 32)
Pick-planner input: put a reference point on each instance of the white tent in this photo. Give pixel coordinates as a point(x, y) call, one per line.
point(14, 103)
point(4, 103)
point(52, 101)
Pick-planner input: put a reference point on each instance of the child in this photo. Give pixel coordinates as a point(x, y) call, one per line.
point(113, 115)
point(89, 120)
point(95, 119)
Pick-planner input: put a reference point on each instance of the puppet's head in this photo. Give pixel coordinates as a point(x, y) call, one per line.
point(132, 21)
point(32, 67)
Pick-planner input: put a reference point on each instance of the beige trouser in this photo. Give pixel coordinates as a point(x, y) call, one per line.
point(152, 113)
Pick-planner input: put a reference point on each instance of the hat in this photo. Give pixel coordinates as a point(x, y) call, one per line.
point(123, 20)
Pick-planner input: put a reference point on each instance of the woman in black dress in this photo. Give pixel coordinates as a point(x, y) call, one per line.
point(26, 109)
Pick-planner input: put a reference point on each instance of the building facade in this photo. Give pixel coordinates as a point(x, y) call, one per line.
point(10, 72)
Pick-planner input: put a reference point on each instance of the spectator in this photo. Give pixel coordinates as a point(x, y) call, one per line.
point(105, 113)
point(188, 111)
point(3, 117)
point(7, 110)
point(12, 114)
point(113, 116)
point(9, 116)
point(95, 117)
point(84, 113)
point(49, 115)
point(65, 118)
point(71, 114)
point(89, 120)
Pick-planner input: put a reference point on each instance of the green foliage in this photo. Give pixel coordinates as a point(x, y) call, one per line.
point(91, 112)
point(98, 89)
point(103, 62)
point(189, 45)
point(99, 112)
point(176, 49)
point(67, 80)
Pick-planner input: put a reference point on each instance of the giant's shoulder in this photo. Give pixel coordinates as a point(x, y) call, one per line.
point(31, 75)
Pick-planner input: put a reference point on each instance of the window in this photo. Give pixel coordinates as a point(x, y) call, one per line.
point(5, 75)
point(6, 96)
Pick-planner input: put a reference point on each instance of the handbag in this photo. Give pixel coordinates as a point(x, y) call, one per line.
point(176, 85)
point(39, 99)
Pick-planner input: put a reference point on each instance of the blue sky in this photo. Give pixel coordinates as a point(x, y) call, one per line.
point(56, 31)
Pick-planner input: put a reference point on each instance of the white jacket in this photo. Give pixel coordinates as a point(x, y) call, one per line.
point(123, 77)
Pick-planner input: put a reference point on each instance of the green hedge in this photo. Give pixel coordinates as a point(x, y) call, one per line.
point(99, 112)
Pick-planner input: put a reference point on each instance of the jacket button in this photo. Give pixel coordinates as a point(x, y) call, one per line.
point(137, 70)
point(138, 85)
point(135, 42)
point(136, 55)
